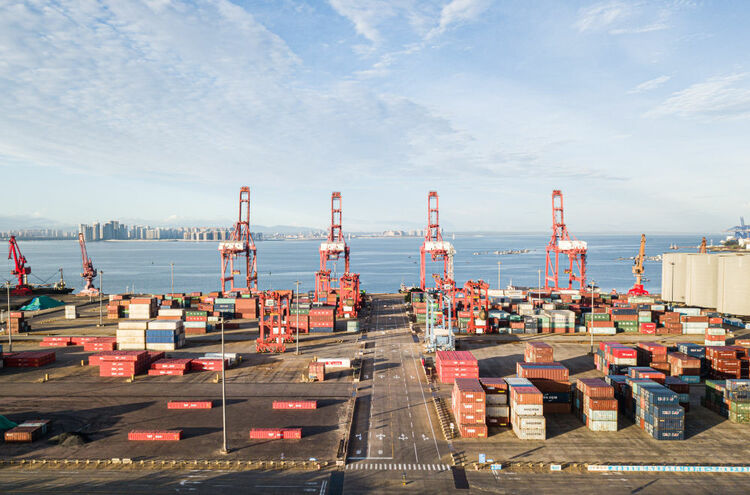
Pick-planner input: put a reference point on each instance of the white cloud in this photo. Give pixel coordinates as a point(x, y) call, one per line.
point(602, 15)
point(650, 84)
point(619, 17)
point(458, 11)
point(722, 97)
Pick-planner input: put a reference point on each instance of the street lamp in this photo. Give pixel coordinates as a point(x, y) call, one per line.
point(224, 449)
point(297, 297)
point(7, 319)
point(499, 285)
point(171, 276)
point(101, 291)
point(591, 322)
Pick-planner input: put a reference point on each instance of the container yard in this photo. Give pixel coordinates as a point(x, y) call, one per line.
point(431, 385)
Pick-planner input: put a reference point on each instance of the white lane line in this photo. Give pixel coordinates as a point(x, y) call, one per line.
point(323, 487)
point(424, 401)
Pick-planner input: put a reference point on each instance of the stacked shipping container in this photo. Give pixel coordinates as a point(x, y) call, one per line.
point(468, 400)
point(595, 404)
point(456, 364)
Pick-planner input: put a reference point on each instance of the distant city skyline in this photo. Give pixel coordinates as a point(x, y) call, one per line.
point(637, 111)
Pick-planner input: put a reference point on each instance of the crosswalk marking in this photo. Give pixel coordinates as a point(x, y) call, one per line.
point(397, 467)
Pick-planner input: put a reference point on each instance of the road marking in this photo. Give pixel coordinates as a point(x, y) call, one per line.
point(403, 437)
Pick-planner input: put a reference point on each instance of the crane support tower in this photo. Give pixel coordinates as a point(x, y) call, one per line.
point(274, 325)
point(434, 244)
point(241, 244)
point(89, 272)
point(638, 270)
point(347, 287)
point(20, 268)
point(702, 249)
point(563, 243)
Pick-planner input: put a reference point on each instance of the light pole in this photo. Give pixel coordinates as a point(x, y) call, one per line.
point(224, 449)
point(7, 319)
point(499, 286)
point(101, 291)
point(171, 276)
point(297, 296)
point(591, 323)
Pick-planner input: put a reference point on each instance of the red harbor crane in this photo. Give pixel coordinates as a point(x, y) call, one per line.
point(89, 272)
point(563, 243)
point(477, 304)
point(20, 269)
point(638, 270)
point(274, 324)
point(434, 244)
point(241, 244)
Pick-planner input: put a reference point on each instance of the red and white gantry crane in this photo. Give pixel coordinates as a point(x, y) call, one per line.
point(241, 244)
point(435, 245)
point(563, 243)
point(89, 272)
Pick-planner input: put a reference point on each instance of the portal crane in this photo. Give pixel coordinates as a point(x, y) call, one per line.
point(702, 248)
point(563, 243)
point(434, 244)
point(240, 244)
point(331, 250)
point(89, 272)
point(274, 325)
point(20, 270)
point(638, 270)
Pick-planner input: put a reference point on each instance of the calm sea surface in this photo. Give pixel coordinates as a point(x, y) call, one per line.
point(383, 263)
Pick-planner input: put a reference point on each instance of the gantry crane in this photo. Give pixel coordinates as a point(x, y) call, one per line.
point(434, 244)
point(638, 270)
point(20, 269)
point(89, 272)
point(240, 244)
point(702, 248)
point(274, 324)
point(563, 243)
point(477, 303)
point(331, 250)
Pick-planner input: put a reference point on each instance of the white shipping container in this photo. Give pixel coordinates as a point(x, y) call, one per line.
point(601, 415)
point(336, 362)
point(132, 325)
point(171, 312)
point(530, 434)
point(716, 331)
point(131, 347)
point(713, 343)
point(165, 325)
point(123, 333)
point(625, 361)
point(693, 331)
point(527, 409)
point(603, 330)
point(602, 425)
point(529, 422)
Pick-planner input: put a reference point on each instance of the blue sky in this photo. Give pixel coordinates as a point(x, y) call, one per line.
point(160, 110)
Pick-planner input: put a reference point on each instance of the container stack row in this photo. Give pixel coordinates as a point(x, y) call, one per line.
point(469, 402)
point(456, 364)
point(526, 410)
point(729, 398)
point(595, 404)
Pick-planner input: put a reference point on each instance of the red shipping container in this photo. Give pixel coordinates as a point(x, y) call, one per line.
point(195, 404)
point(473, 430)
point(526, 395)
point(295, 404)
point(291, 433)
point(159, 372)
point(549, 371)
point(155, 435)
point(266, 434)
point(177, 364)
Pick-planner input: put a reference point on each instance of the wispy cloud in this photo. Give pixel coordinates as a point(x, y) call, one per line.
point(459, 11)
point(724, 97)
point(619, 17)
point(649, 85)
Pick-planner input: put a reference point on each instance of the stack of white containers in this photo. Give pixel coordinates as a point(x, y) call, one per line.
point(525, 309)
point(715, 336)
point(131, 335)
point(70, 312)
point(171, 314)
point(526, 410)
point(140, 311)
